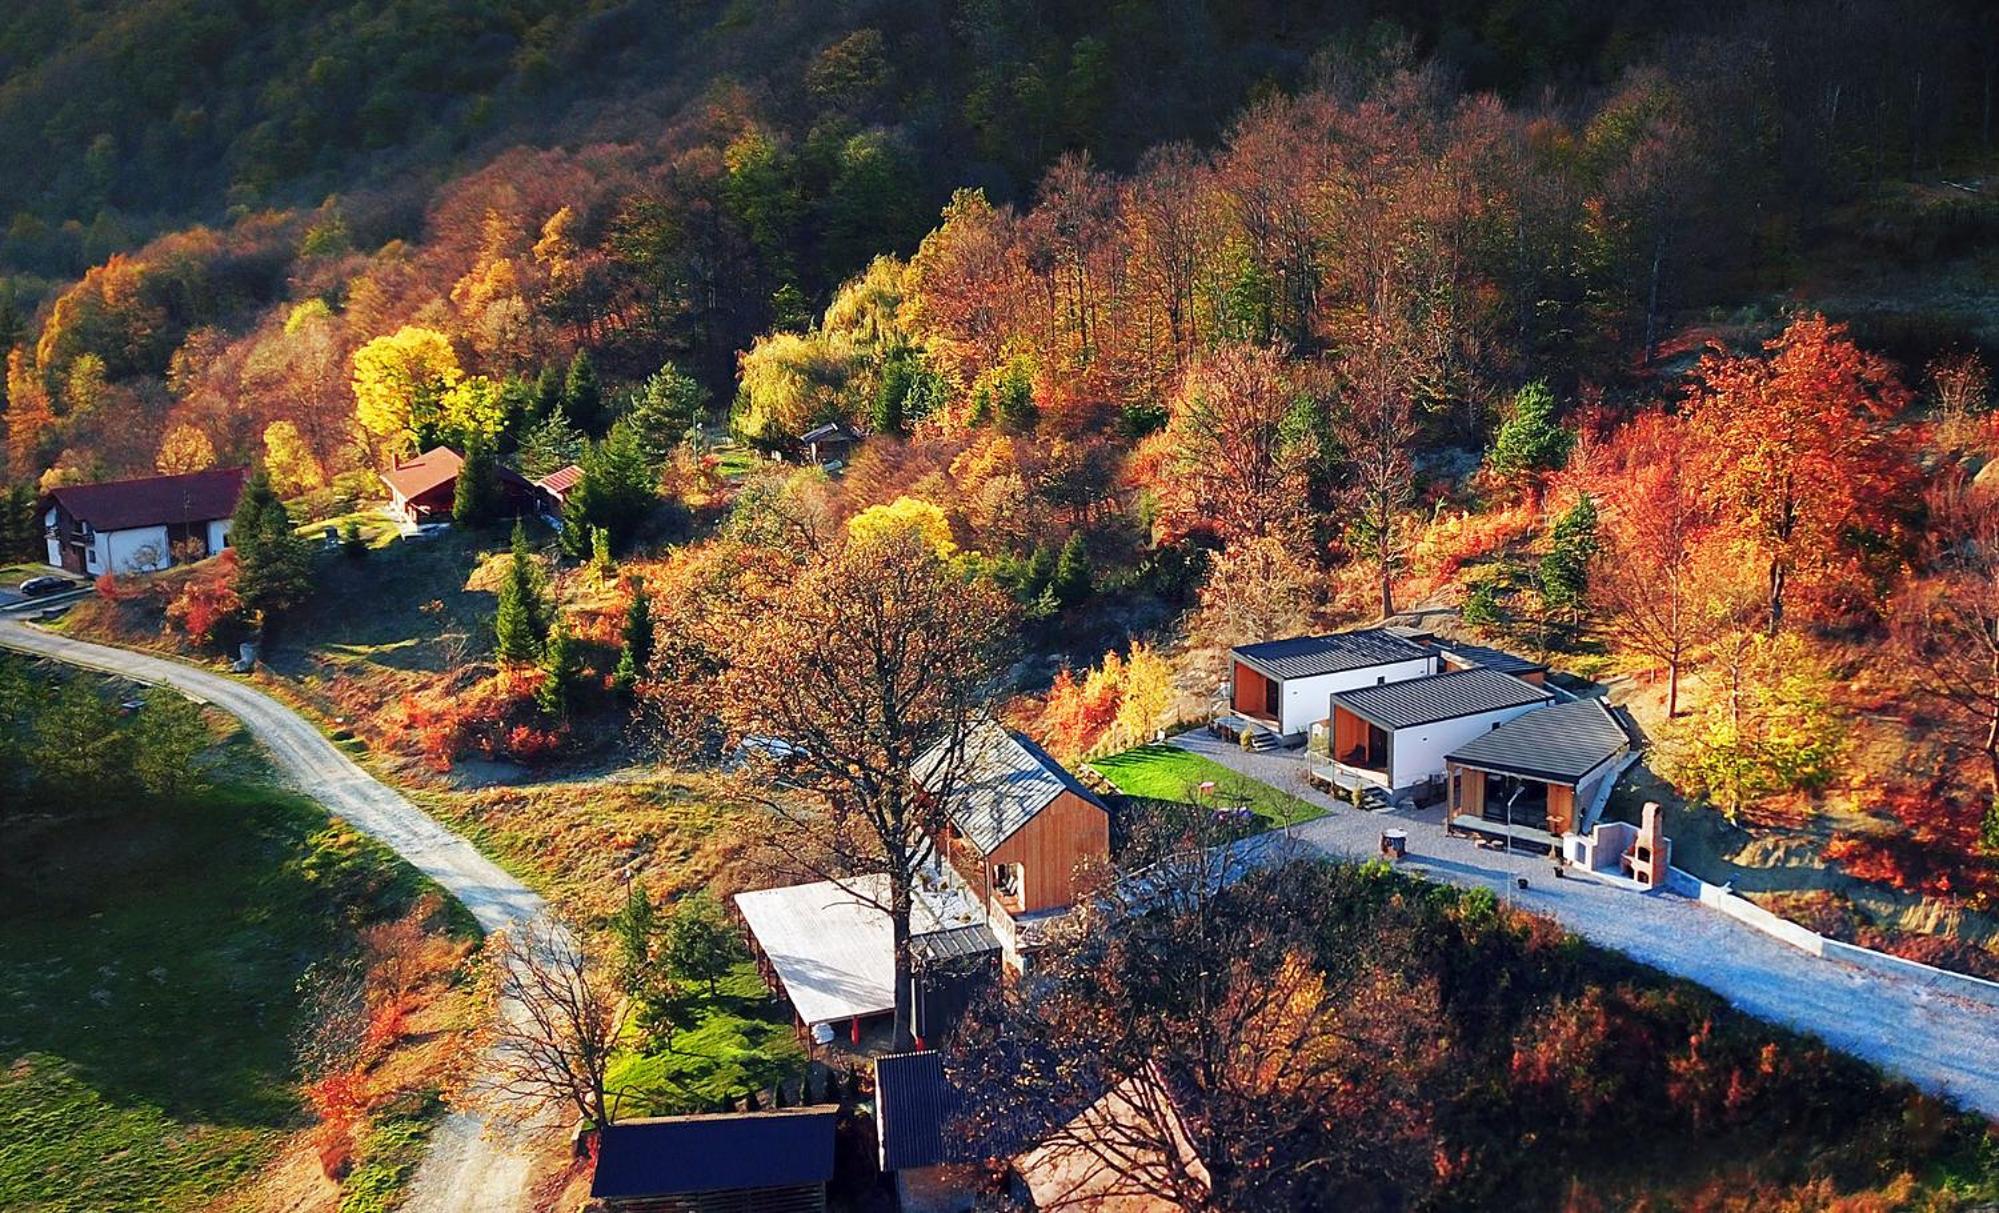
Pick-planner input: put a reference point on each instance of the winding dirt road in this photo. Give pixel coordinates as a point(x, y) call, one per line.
point(472, 1166)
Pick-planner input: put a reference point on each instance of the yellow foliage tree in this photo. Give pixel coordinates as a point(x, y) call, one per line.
point(184, 449)
point(399, 379)
point(904, 514)
point(474, 406)
point(289, 459)
point(1147, 694)
point(793, 381)
point(29, 414)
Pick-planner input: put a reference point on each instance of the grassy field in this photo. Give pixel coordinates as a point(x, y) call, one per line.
point(150, 957)
point(741, 1040)
point(1164, 772)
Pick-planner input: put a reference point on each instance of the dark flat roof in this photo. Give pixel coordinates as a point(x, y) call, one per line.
point(1486, 658)
point(1310, 656)
point(1426, 700)
point(913, 1103)
point(734, 1151)
point(1558, 744)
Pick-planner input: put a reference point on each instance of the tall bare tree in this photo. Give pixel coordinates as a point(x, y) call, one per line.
point(858, 663)
point(1949, 622)
point(559, 1023)
point(1375, 423)
point(1224, 1063)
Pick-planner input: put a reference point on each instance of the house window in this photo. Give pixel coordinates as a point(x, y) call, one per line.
point(1006, 879)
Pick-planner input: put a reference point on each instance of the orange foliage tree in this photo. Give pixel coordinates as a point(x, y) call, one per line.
point(1797, 466)
point(1647, 583)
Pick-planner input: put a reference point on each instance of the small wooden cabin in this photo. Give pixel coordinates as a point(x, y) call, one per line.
point(1017, 816)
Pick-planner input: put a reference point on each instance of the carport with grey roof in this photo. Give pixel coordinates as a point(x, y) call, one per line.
point(1563, 743)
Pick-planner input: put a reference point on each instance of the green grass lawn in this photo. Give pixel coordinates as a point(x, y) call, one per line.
point(1164, 772)
point(150, 956)
point(741, 1041)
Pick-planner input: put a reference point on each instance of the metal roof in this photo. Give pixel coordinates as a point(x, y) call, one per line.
point(735, 1151)
point(1002, 780)
point(954, 943)
point(1414, 701)
point(913, 1103)
point(833, 947)
point(1309, 656)
point(1485, 658)
point(1558, 744)
point(832, 431)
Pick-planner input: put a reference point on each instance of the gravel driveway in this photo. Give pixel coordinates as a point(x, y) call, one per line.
point(471, 1167)
point(1945, 1045)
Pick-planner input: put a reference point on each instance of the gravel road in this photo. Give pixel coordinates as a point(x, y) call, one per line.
point(472, 1167)
point(1944, 1044)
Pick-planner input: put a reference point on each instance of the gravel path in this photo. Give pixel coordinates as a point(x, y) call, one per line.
point(471, 1167)
point(1946, 1045)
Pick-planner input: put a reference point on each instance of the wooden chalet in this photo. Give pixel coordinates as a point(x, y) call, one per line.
point(1019, 824)
point(422, 490)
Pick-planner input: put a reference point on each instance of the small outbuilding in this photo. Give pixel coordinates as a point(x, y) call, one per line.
point(741, 1162)
point(833, 442)
point(1396, 735)
point(1534, 778)
point(1286, 686)
point(830, 947)
point(552, 491)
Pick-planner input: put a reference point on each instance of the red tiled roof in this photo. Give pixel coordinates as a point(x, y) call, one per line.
point(561, 480)
point(120, 505)
point(436, 466)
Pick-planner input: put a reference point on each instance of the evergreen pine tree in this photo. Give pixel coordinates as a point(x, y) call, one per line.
point(561, 666)
point(636, 656)
point(582, 395)
point(352, 545)
point(1531, 439)
point(520, 618)
point(475, 499)
point(617, 492)
point(1072, 581)
point(1572, 545)
point(273, 563)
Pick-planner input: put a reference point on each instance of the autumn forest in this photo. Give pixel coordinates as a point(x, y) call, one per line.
point(1651, 340)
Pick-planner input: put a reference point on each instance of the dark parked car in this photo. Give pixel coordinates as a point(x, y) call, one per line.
point(35, 587)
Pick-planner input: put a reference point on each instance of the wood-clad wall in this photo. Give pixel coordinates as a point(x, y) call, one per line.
point(1349, 733)
point(1561, 809)
point(1252, 692)
point(1048, 848)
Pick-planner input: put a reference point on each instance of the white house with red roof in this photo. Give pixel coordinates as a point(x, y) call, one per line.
point(143, 525)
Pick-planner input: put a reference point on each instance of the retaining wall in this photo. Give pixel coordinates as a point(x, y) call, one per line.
point(1944, 981)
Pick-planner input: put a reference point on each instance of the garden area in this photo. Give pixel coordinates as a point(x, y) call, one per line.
point(1164, 772)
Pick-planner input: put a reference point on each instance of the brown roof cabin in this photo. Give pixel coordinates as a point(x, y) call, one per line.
point(553, 489)
point(1018, 817)
point(421, 489)
point(139, 526)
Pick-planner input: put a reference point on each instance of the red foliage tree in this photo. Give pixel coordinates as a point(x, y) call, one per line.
point(1796, 464)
